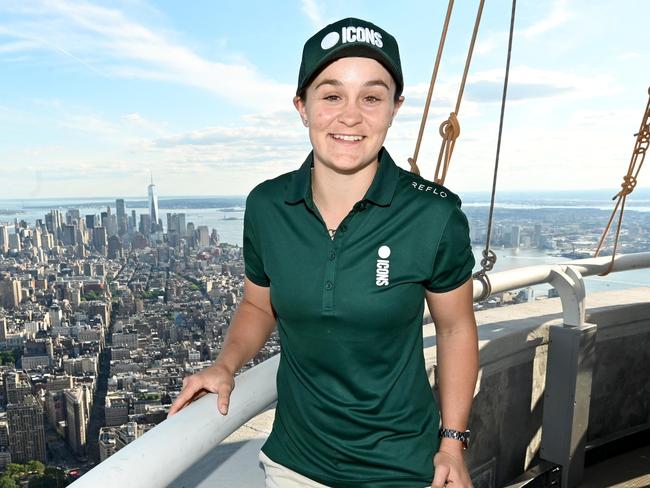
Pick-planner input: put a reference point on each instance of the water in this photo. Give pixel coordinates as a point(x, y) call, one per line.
point(231, 231)
point(509, 258)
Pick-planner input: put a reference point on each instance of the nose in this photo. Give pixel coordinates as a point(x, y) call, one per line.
point(350, 114)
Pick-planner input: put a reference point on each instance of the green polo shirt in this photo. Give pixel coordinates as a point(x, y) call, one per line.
point(355, 407)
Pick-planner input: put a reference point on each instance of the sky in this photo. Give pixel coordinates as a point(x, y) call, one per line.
point(98, 97)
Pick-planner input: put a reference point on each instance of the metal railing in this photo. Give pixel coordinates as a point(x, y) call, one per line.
point(164, 453)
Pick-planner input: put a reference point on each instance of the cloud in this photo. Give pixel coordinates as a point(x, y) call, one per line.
point(232, 136)
point(629, 55)
point(90, 123)
point(487, 44)
point(558, 15)
point(313, 12)
point(489, 91)
point(529, 83)
point(105, 41)
point(17, 46)
point(137, 121)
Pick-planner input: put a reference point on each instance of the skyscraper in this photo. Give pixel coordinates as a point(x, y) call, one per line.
point(100, 238)
point(204, 235)
point(69, 234)
point(181, 225)
point(145, 224)
point(91, 221)
point(153, 205)
point(36, 237)
point(10, 292)
point(537, 235)
point(17, 386)
point(515, 236)
point(175, 228)
point(4, 239)
point(53, 221)
point(77, 406)
point(115, 247)
point(121, 217)
point(15, 242)
point(109, 222)
point(26, 430)
point(71, 215)
point(3, 329)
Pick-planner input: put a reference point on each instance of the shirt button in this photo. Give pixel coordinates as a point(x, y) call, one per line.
point(329, 285)
point(331, 255)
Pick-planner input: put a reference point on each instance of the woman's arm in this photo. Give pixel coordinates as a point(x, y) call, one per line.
point(457, 357)
point(250, 328)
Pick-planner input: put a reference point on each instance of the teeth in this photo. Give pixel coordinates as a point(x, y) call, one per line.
point(347, 138)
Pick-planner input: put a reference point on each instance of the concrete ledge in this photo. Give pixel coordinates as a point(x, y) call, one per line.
point(506, 418)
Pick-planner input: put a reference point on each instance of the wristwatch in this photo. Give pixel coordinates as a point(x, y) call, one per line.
point(455, 434)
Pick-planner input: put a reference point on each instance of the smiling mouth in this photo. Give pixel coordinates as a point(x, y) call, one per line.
point(349, 138)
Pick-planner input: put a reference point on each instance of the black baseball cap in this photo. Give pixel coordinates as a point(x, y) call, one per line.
point(347, 38)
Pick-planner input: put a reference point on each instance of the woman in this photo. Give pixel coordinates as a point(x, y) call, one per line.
point(341, 254)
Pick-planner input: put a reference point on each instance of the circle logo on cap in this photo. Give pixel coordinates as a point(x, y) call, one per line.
point(383, 252)
point(330, 40)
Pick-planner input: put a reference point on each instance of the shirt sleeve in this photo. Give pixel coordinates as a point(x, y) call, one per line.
point(454, 261)
point(253, 264)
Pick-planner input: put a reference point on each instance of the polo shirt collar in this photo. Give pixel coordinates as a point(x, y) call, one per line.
point(380, 192)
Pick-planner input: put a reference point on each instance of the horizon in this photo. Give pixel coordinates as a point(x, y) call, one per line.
point(615, 190)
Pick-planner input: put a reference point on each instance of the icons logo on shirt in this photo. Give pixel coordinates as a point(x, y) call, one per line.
point(383, 264)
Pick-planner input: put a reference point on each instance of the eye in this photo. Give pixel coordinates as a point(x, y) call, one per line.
point(331, 98)
point(372, 99)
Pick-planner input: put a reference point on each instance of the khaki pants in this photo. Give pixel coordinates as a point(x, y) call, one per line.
point(279, 476)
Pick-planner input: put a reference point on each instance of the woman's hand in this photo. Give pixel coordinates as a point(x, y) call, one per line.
point(450, 470)
point(213, 379)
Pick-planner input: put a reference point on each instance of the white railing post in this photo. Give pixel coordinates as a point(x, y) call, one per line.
point(569, 367)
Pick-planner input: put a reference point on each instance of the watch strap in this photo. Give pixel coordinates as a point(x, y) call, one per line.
point(456, 434)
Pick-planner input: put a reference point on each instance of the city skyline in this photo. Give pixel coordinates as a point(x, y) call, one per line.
point(102, 314)
point(100, 95)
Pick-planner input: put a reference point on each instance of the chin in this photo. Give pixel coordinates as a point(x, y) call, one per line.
point(350, 164)
point(347, 160)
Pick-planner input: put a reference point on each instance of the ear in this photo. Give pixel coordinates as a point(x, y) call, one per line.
point(398, 104)
point(300, 107)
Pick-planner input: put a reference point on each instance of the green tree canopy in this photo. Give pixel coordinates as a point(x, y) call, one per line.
point(14, 469)
point(7, 481)
point(35, 466)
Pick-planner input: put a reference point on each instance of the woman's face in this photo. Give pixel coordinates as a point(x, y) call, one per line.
point(349, 107)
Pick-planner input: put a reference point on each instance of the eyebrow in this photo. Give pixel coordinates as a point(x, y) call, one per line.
point(338, 83)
